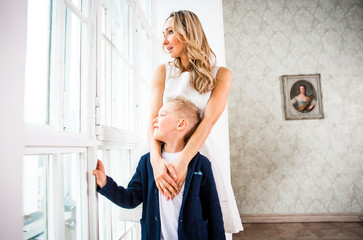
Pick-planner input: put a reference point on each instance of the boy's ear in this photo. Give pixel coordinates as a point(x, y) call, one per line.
point(183, 123)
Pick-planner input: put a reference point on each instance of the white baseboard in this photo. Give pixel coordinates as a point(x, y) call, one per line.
point(305, 217)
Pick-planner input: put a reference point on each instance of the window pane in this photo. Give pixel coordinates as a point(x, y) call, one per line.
point(127, 33)
point(116, 90)
point(106, 18)
point(145, 55)
point(37, 62)
point(72, 74)
point(105, 87)
point(117, 25)
point(118, 165)
point(144, 110)
point(120, 169)
point(146, 8)
point(132, 235)
point(118, 116)
point(104, 215)
point(35, 197)
point(72, 195)
point(122, 96)
point(82, 5)
point(131, 106)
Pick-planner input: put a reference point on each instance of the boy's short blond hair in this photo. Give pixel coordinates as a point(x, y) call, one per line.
point(187, 109)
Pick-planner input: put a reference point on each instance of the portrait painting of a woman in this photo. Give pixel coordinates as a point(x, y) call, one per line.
point(304, 101)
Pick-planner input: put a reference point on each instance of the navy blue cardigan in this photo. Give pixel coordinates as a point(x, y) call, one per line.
point(200, 213)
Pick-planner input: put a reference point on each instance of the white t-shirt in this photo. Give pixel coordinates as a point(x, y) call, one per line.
point(170, 210)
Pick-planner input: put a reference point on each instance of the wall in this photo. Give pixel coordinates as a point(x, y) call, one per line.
point(12, 62)
point(298, 166)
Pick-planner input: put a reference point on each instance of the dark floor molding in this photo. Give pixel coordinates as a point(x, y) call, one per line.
point(310, 217)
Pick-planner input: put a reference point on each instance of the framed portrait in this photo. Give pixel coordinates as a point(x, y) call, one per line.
point(302, 97)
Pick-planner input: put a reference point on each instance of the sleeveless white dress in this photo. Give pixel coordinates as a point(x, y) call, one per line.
point(215, 148)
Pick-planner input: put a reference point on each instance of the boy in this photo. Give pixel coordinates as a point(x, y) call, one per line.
point(194, 214)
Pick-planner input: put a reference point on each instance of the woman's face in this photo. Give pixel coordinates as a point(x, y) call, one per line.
point(302, 89)
point(171, 43)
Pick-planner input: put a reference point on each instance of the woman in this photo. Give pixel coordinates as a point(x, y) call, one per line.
point(303, 103)
point(192, 74)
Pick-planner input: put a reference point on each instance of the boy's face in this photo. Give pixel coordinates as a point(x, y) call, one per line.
point(166, 123)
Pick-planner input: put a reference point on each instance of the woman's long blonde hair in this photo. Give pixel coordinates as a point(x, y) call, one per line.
point(200, 55)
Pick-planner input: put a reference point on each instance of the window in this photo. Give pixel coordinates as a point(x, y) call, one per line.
point(72, 197)
point(38, 62)
point(55, 194)
point(88, 71)
point(56, 66)
point(35, 179)
point(123, 87)
point(116, 89)
point(113, 224)
point(72, 84)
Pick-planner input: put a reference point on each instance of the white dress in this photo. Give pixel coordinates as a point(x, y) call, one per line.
point(215, 148)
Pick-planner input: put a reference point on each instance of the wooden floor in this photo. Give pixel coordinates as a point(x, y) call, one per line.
point(301, 231)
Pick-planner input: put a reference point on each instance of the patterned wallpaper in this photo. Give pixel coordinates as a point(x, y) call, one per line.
point(296, 166)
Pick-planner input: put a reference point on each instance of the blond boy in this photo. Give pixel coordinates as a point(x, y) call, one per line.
point(195, 213)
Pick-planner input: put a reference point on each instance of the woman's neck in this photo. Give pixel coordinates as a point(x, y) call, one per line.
point(184, 61)
point(301, 96)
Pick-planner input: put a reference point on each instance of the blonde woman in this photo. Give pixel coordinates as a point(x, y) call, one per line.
point(192, 74)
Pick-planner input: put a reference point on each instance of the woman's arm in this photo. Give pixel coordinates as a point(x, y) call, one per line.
point(161, 167)
point(293, 101)
point(313, 103)
point(214, 109)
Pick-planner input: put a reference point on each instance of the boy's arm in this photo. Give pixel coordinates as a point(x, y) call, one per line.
point(211, 206)
point(130, 197)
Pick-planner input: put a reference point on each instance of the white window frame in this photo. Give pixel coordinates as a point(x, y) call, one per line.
point(50, 139)
point(112, 138)
point(55, 189)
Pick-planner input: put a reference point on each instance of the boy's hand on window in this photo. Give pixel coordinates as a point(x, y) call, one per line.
point(100, 174)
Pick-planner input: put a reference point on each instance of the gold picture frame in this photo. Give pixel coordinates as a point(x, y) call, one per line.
point(302, 96)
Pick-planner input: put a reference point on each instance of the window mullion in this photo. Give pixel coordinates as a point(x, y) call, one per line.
point(136, 34)
point(93, 210)
point(84, 196)
point(87, 82)
point(55, 199)
point(98, 65)
point(91, 112)
point(61, 68)
point(107, 203)
point(112, 88)
point(57, 65)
